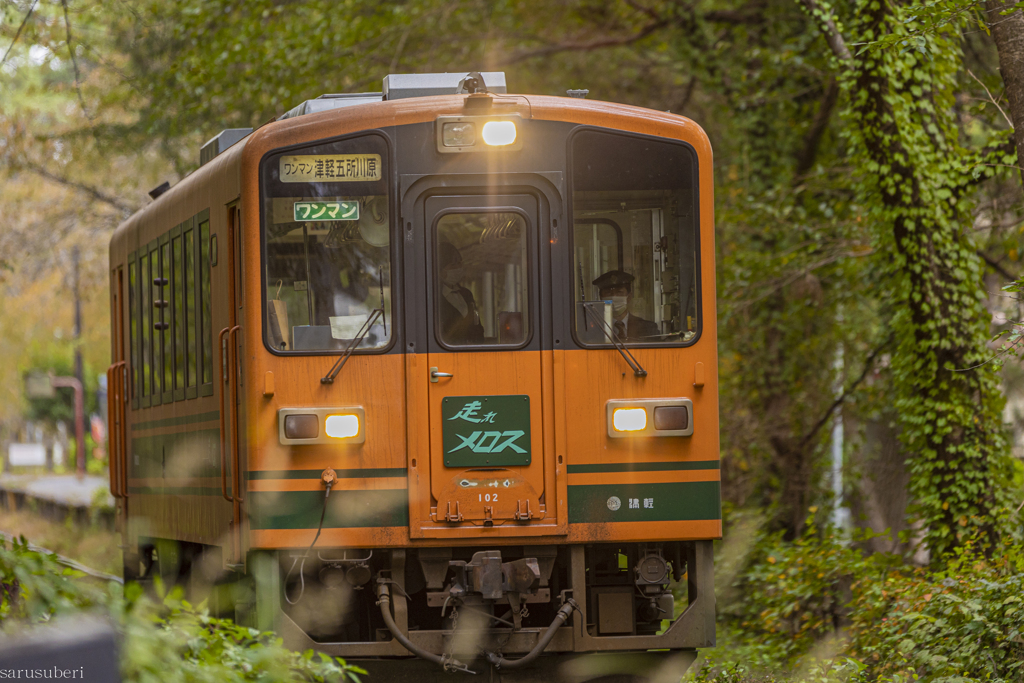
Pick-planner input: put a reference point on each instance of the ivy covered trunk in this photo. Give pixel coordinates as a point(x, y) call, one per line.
point(900, 106)
point(948, 401)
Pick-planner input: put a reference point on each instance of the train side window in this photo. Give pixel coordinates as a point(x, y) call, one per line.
point(165, 289)
point(327, 236)
point(207, 317)
point(191, 326)
point(635, 229)
point(178, 317)
point(147, 331)
point(481, 274)
point(157, 362)
point(133, 327)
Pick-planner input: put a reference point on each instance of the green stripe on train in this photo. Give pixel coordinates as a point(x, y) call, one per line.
point(662, 502)
point(644, 467)
point(345, 509)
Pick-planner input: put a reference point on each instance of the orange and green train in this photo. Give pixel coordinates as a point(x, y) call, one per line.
point(428, 379)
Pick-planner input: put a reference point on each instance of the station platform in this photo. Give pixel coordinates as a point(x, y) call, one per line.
point(57, 496)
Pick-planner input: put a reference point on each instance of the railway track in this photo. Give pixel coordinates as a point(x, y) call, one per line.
point(67, 561)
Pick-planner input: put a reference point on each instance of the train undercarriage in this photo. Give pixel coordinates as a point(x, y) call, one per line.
point(566, 612)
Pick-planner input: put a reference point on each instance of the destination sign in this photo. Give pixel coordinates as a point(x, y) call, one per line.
point(331, 168)
point(327, 211)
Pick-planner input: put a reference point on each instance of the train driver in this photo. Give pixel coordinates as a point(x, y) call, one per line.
point(617, 285)
point(460, 321)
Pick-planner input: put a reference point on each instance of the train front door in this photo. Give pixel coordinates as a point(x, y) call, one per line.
point(489, 402)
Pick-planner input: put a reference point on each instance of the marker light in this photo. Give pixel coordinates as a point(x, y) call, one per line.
point(301, 426)
point(459, 134)
point(499, 133)
point(342, 426)
point(623, 419)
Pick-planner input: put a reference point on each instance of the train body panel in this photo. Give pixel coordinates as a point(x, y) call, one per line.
point(482, 389)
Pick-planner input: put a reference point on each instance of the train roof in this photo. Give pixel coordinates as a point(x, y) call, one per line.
point(320, 118)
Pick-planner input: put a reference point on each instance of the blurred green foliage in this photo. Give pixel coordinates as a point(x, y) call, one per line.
point(170, 642)
point(887, 620)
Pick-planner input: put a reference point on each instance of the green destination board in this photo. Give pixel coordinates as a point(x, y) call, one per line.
point(478, 431)
point(327, 211)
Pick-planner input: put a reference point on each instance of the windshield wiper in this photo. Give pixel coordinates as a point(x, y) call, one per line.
point(360, 336)
point(623, 350)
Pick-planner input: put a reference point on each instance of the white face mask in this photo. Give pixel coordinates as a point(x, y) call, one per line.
point(620, 305)
point(453, 276)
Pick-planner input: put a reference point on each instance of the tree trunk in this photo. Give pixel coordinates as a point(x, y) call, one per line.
point(948, 399)
point(1008, 33)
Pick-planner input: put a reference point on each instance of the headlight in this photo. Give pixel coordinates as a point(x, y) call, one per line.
point(499, 133)
point(629, 419)
point(478, 133)
point(458, 134)
point(632, 418)
point(342, 426)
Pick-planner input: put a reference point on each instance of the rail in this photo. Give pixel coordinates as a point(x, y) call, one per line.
point(67, 561)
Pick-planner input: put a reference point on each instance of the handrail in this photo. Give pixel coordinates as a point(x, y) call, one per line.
point(123, 432)
point(115, 439)
point(112, 437)
point(233, 378)
point(111, 440)
point(224, 359)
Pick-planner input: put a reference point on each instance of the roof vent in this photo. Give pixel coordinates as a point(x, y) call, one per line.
point(159, 190)
point(220, 142)
point(325, 102)
point(401, 86)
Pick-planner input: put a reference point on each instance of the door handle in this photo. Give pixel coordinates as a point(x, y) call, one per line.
point(435, 375)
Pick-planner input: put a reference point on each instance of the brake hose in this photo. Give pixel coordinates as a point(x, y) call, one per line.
point(329, 476)
point(561, 617)
point(384, 600)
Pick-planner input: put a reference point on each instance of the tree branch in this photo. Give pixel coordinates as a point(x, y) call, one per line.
point(18, 32)
point(827, 25)
point(727, 16)
point(868, 365)
point(93, 192)
point(994, 265)
point(809, 151)
point(587, 46)
point(74, 60)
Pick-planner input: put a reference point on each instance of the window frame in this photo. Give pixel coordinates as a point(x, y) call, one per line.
point(191, 347)
point(394, 254)
point(146, 360)
point(178, 324)
point(570, 211)
point(166, 334)
point(134, 328)
point(531, 290)
point(204, 328)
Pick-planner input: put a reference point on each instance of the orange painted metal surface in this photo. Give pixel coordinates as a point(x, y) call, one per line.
point(401, 403)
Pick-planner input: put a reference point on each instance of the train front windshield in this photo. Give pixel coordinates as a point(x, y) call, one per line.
point(327, 247)
point(634, 239)
point(633, 262)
